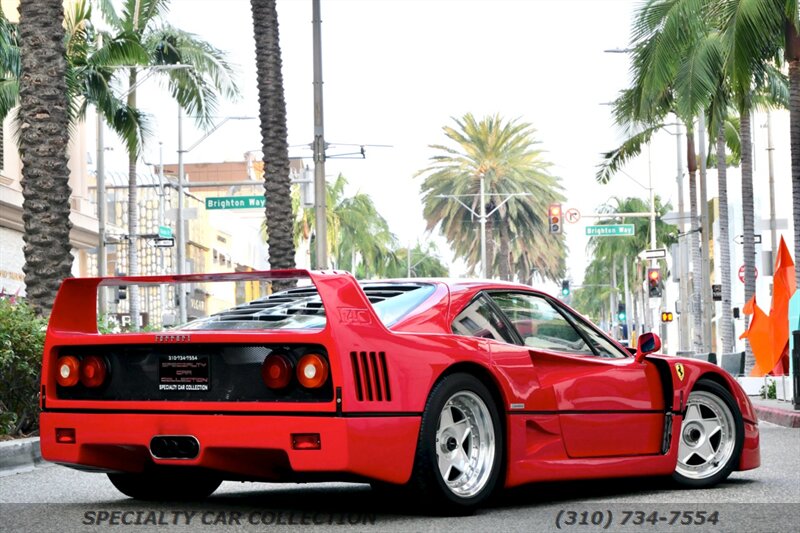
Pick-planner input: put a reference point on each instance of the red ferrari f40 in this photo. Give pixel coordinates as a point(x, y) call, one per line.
point(451, 388)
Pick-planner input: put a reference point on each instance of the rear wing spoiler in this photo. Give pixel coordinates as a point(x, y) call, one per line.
point(75, 306)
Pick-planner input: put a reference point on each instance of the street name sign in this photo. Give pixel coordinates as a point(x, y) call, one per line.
point(236, 202)
point(610, 230)
point(164, 232)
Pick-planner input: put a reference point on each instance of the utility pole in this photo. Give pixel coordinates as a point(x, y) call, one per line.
point(773, 226)
point(705, 237)
point(684, 323)
point(320, 199)
point(100, 174)
point(180, 227)
point(614, 301)
point(482, 214)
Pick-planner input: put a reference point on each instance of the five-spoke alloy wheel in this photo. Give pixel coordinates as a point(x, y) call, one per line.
point(711, 436)
point(459, 453)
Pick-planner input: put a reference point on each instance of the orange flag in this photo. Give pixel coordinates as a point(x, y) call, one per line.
point(769, 335)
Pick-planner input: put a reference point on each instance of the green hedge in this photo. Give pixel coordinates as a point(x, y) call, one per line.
point(21, 346)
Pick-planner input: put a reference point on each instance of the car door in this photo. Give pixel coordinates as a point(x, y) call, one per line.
point(608, 404)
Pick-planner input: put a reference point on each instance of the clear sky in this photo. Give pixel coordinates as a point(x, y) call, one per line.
point(396, 71)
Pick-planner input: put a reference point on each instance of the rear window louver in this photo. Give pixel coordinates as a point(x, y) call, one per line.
point(371, 376)
point(303, 301)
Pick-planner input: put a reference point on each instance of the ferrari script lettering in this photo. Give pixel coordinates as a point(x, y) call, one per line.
point(173, 338)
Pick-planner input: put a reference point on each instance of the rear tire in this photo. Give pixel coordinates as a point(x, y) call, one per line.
point(712, 436)
point(459, 458)
point(160, 486)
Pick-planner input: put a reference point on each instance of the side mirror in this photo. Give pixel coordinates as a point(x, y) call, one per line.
point(647, 344)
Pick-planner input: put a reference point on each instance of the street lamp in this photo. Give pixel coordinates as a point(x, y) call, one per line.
point(482, 214)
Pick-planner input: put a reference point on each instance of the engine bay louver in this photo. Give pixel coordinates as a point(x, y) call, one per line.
point(371, 376)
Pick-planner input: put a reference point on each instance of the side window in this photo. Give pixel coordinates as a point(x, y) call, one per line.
point(479, 319)
point(540, 325)
point(601, 345)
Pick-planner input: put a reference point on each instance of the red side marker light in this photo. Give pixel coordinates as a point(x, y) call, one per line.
point(68, 371)
point(93, 371)
point(65, 435)
point(306, 441)
point(276, 371)
point(312, 371)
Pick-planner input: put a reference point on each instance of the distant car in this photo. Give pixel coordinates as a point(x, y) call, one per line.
point(451, 388)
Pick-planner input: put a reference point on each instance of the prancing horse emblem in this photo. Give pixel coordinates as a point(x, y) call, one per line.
point(679, 371)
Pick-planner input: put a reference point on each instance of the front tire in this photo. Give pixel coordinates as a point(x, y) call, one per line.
point(712, 436)
point(459, 454)
point(173, 486)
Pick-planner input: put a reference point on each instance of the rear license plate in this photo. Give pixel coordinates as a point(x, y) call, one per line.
point(184, 373)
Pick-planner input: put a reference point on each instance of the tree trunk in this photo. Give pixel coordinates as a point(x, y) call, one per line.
point(748, 226)
point(44, 137)
point(490, 262)
point(133, 218)
point(697, 306)
point(726, 319)
point(792, 52)
point(272, 113)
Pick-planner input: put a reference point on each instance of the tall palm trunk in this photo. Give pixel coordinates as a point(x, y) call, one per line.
point(133, 218)
point(272, 114)
point(43, 142)
point(793, 58)
point(726, 320)
point(489, 244)
point(697, 308)
point(748, 225)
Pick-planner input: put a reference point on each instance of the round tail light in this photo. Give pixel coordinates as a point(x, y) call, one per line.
point(276, 371)
point(93, 371)
point(68, 371)
point(312, 371)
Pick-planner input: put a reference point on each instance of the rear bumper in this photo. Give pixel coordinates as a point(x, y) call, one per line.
point(255, 447)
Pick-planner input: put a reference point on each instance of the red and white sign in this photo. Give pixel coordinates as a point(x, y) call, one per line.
point(572, 215)
point(741, 273)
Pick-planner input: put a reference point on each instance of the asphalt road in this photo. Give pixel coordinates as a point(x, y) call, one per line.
point(53, 498)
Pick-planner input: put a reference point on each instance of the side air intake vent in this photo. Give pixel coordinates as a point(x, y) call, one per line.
point(371, 376)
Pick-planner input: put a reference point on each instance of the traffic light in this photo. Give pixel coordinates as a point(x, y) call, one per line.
point(621, 314)
point(654, 282)
point(565, 287)
point(666, 316)
point(555, 218)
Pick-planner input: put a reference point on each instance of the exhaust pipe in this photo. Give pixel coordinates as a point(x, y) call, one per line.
point(174, 447)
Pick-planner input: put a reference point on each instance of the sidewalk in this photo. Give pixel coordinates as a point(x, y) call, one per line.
point(776, 411)
point(19, 455)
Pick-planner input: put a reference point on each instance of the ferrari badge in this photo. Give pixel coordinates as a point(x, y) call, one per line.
point(679, 371)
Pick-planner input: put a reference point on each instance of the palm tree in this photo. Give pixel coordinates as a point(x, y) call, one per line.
point(359, 239)
point(759, 35)
point(44, 117)
point(272, 113)
point(89, 70)
point(422, 260)
point(505, 155)
point(608, 250)
point(195, 87)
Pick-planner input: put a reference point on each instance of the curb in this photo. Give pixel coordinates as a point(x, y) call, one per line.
point(19, 455)
point(781, 417)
